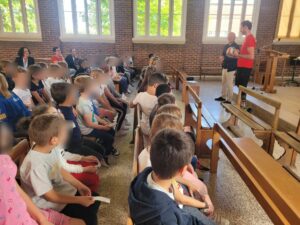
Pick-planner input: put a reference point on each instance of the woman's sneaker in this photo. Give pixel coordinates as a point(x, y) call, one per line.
point(115, 152)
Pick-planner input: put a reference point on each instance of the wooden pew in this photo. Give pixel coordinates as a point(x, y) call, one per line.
point(260, 128)
point(182, 77)
point(210, 70)
point(203, 125)
point(275, 189)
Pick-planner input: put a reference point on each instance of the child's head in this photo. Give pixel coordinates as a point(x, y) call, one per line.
point(56, 51)
point(4, 87)
point(21, 78)
point(161, 89)
point(156, 79)
point(99, 75)
point(84, 83)
point(48, 130)
point(43, 65)
point(54, 70)
point(6, 138)
point(165, 99)
point(171, 109)
point(7, 67)
point(150, 55)
point(171, 152)
point(36, 72)
point(64, 70)
point(163, 121)
point(64, 93)
point(83, 63)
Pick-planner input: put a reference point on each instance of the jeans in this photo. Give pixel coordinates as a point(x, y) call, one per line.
point(122, 110)
point(105, 138)
point(242, 78)
point(198, 214)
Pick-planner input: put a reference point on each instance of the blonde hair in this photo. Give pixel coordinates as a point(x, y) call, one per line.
point(95, 73)
point(4, 87)
point(3, 64)
point(53, 68)
point(171, 109)
point(165, 120)
point(63, 65)
point(82, 82)
point(18, 71)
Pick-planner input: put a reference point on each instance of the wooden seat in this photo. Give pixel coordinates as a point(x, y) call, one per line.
point(19, 151)
point(274, 188)
point(260, 128)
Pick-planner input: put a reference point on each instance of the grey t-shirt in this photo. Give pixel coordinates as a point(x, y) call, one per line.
point(85, 106)
point(40, 173)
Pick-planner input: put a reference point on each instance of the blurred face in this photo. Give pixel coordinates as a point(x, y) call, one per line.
point(9, 69)
point(243, 29)
point(58, 52)
point(85, 64)
point(74, 52)
point(72, 96)
point(6, 140)
point(21, 80)
point(62, 137)
point(26, 53)
point(231, 37)
point(40, 75)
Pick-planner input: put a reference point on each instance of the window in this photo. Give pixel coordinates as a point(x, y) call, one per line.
point(159, 21)
point(224, 16)
point(288, 27)
point(19, 20)
point(87, 20)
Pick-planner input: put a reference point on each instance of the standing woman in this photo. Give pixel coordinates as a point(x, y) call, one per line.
point(24, 59)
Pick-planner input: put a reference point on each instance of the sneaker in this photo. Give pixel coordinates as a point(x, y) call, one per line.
point(121, 133)
point(115, 152)
point(218, 219)
point(227, 102)
point(220, 99)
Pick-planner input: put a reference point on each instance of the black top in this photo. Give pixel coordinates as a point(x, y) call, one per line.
point(39, 88)
point(72, 62)
point(19, 61)
point(229, 63)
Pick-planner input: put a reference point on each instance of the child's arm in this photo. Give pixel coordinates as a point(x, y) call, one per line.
point(33, 211)
point(105, 103)
point(110, 96)
point(88, 121)
point(46, 95)
point(36, 95)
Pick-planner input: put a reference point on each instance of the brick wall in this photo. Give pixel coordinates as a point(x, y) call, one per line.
point(189, 56)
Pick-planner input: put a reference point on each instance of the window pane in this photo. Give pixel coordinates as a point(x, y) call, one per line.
point(81, 17)
point(177, 6)
point(4, 7)
point(105, 17)
point(295, 30)
point(224, 26)
point(31, 17)
point(164, 18)
point(249, 10)
point(153, 17)
point(236, 22)
point(213, 9)
point(92, 9)
point(212, 22)
point(141, 6)
point(284, 19)
point(67, 4)
point(226, 9)
point(176, 25)
point(18, 18)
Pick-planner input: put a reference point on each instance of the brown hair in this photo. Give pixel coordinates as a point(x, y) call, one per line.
point(165, 120)
point(43, 65)
point(34, 69)
point(4, 87)
point(19, 70)
point(44, 127)
point(171, 150)
point(82, 82)
point(3, 64)
point(53, 68)
point(170, 109)
point(166, 98)
point(95, 73)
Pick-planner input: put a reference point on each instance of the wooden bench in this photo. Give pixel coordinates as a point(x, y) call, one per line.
point(275, 189)
point(203, 124)
point(260, 128)
point(210, 70)
point(182, 77)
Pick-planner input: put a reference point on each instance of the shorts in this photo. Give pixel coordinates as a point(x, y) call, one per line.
point(55, 217)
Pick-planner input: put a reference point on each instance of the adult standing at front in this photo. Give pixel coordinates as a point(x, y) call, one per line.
point(24, 59)
point(245, 57)
point(229, 65)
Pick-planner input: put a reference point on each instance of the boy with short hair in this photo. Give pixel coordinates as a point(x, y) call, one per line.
point(45, 181)
point(21, 80)
point(153, 193)
point(147, 100)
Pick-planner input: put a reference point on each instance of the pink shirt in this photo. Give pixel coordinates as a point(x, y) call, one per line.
point(13, 210)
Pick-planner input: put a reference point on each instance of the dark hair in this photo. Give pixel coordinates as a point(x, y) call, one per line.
point(161, 89)
point(43, 65)
point(150, 55)
point(55, 48)
point(34, 69)
point(60, 92)
point(9, 143)
point(44, 127)
point(247, 23)
point(21, 51)
point(157, 78)
point(81, 61)
point(171, 150)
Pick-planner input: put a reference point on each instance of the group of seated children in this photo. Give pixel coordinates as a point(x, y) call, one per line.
point(71, 126)
point(167, 189)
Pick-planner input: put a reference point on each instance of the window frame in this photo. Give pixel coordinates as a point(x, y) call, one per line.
point(22, 36)
point(147, 39)
point(65, 37)
point(286, 40)
point(223, 40)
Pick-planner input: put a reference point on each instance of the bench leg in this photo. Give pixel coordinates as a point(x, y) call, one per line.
point(202, 150)
point(215, 152)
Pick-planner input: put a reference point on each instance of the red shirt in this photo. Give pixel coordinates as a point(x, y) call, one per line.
point(55, 59)
point(248, 42)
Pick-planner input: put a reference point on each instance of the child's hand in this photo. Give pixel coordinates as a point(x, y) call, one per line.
point(210, 210)
point(84, 190)
point(90, 158)
point(86, 200)
point(90, 169)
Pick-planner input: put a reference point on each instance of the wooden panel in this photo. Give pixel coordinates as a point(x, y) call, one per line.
point(289, 140)
point(294, 135)
point(19, 151)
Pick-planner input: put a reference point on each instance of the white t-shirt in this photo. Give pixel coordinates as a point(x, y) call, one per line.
point(85, 106)
point(144, 159)
point(48, 83)
point(40, 173)
point(147, 103)
point(24, 95)
point(100, 91)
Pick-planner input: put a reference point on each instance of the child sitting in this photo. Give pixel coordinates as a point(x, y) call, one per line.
point(154, 194)
point(38, 92)
point(7, 69)
point(84, 67)
point(147, 100)
point(13, 106)
point(90, 124)
point(16, 207)
point(49, 185)
point(54, 75)
point(21, 80)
